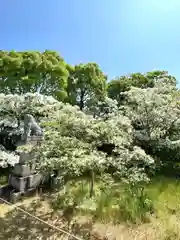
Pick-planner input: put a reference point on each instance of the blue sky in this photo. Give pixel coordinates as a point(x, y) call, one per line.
point(122, 36)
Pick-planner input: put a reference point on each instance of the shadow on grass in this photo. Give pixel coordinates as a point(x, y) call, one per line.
point(18, 225)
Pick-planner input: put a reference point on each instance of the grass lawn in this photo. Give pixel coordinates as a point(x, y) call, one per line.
point(111, 211)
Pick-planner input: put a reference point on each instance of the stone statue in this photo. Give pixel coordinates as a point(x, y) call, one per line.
point(23, 177)
point(31, 128)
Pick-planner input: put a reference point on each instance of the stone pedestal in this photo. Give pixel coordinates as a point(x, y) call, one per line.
point(23, 179)
point(21, 170)
point(23, 184)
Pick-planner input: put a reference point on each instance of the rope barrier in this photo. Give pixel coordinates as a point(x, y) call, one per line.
point(40, 220)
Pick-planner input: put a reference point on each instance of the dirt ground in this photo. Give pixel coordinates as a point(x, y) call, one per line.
point(17, 225)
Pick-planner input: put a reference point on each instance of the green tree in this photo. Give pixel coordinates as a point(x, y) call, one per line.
point(119, 85)
point(158, 75)
point(85, 82)
point(31, 71)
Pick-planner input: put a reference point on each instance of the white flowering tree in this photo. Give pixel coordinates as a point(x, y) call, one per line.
point(104, 108)
point(12, 110)
point(154, 113)
point(76, 143)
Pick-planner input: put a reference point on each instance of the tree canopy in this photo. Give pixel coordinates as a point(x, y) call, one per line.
point(146, 80)
point(86, 81)
point(127, 127)
point(23, 72)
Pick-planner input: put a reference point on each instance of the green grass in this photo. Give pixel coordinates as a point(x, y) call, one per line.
point(118, 203)
point(112, 202)
point(165, 194)
point(154, 208)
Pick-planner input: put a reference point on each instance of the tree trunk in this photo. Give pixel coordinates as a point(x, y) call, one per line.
point(81, 103)
point(92, 185)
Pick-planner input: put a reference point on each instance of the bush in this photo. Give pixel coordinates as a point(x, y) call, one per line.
point(113, 202)
point(135, 205)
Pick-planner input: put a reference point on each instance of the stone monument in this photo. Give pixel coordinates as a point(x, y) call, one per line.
point(24, 179)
